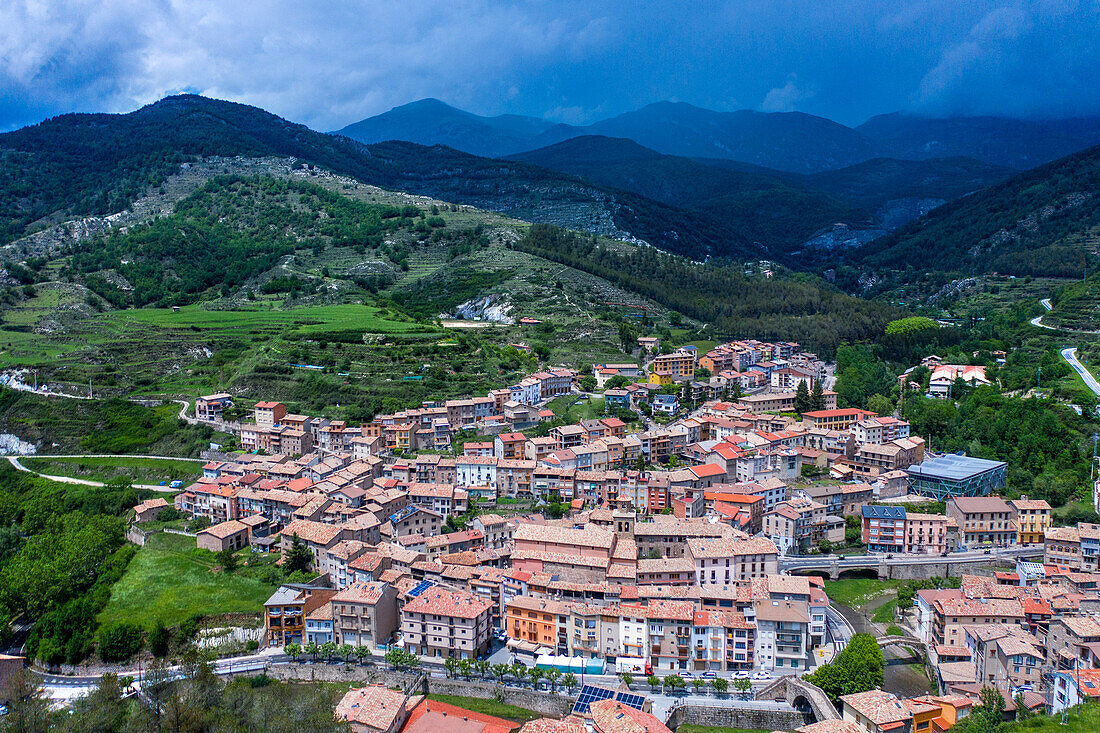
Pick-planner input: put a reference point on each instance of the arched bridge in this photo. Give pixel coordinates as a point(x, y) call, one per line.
point(801, 695)
point(909, 641)
point(907, 567)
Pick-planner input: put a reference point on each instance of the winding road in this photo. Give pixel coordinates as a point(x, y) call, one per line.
point(1070, 355)
point(1038, 320)
point(14, 461)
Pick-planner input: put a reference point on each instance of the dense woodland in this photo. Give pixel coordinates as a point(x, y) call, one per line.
point(1032, 224)
point(735, 306)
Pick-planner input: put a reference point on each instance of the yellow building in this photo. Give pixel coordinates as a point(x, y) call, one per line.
point(661, 379)
point(1032, 519)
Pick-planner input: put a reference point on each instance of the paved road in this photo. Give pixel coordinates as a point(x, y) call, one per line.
point(14, 461)
point(1070, 355)
point(1038, 320)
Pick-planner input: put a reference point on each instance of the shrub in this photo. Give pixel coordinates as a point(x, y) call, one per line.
point(118, 642)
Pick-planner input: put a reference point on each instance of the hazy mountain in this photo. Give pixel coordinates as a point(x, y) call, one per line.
point(1018, 144)
point(1040, 222)
point(787, 141)
point(763, 206)
point(431, 122)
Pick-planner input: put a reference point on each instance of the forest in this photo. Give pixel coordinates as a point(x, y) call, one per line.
point(795, 308)
point(181, 258)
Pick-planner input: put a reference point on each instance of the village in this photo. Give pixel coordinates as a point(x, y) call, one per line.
point(676, 554)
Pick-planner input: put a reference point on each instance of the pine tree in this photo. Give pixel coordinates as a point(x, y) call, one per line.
point(817, 396)
point(802, 398)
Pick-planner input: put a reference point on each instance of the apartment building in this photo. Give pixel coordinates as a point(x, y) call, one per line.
point(445, 623)
point(722, 561)
point(983, 520)
point(1032, 519)
point(286, 610)
point(677, 366)
point(835, 419)
point(268, 414)
point(883, 528)
point(1073, 642)
point(878, 430)
point(877, 711)
point(782, 636)
point(722, 641)
point(364, 614)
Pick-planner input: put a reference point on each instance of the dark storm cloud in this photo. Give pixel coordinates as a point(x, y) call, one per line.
point(331, 64)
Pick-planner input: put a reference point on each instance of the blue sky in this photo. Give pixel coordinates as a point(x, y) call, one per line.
point(330, 64)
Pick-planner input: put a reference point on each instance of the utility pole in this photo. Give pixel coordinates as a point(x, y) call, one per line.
point(1039, 377)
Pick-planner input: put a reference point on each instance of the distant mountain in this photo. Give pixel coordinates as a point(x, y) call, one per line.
point(873, 183)
point(1019, 144)
point(1040, 222)
point(789, 141)
point(432, 122)
point(99, 163)
point(766, 207)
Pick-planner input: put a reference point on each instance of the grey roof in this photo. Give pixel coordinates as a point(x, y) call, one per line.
point(953, 467)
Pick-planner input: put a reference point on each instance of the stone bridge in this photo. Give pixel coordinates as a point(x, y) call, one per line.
point(906, 567)
point(909, 641)
point(802, 696)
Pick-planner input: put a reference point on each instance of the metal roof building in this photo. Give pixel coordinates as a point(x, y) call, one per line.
point(956, 475)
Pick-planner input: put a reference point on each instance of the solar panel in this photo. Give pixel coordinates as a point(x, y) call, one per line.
point(420, 588)
point(627, 698)
point(590, 694)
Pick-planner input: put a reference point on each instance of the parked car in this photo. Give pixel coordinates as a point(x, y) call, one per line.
point(710, 674)
point(762, 675)
point(687, 675)
point(741, 674)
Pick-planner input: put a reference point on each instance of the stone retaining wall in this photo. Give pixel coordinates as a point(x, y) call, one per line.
point(553, 705)
point(736, 717)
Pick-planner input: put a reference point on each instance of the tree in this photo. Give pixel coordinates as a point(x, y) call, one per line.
point(227, 560)
point(482, 666)
point(569, 681)
point(720, 685)
point(313, 649)
point(858, 668)
point(698, 684)
point(499, 670)
point(346, 650)
point(328, 649)
point(552, 676)
point(28, 706)
point(535, 674)
point(742, 686)
point(464, 668)
point(293, 650)
point(675, 682)
point(119, 641)
point(988, 715)
point(653, 681)
point(298, 557)
point(627, 678)
point(362, 653)
point(451, 665)
point(802, 398)
point(587, 383)
point(519, 671)
point(817, 396)
point(160, 638)
point(880, 404)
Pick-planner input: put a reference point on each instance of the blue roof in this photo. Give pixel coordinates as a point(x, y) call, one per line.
point(954, 467)
point(876, 511)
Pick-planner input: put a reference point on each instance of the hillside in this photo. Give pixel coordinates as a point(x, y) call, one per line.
point(431, 122)
point(1018, 144)
point(1040, 222)
point(764, 207)
point(100, 164)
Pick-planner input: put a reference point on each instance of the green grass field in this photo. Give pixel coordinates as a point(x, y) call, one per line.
point(885, 613)
point(301, 319)
point(138, 470)
point(170, 580)
point(488, 707)
point(855, 592)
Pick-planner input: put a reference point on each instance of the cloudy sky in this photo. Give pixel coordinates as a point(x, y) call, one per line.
point(328, 64)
